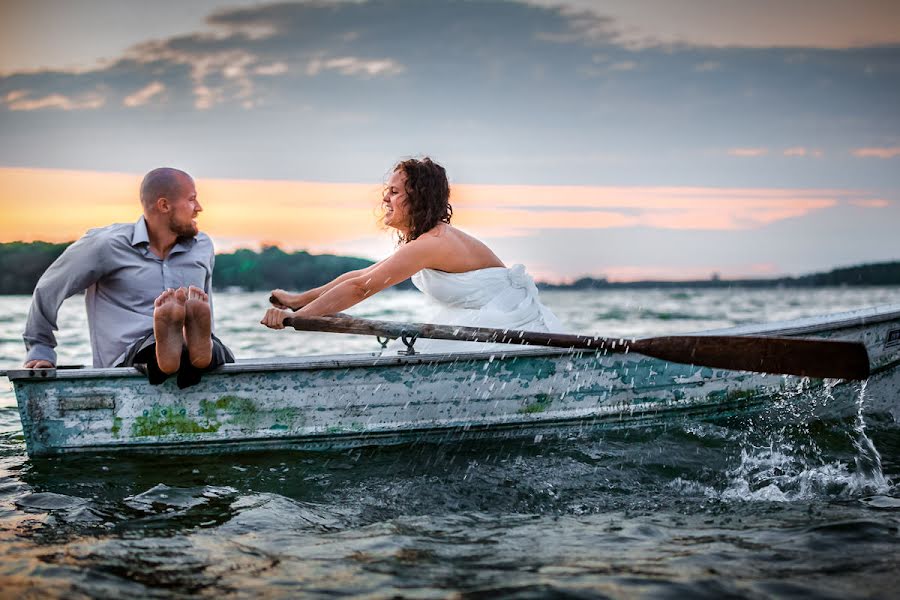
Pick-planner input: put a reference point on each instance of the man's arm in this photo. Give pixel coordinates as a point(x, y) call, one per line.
point(207, 287)
point(74, 271)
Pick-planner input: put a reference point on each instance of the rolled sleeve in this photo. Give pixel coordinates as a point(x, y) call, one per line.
point(40, 352)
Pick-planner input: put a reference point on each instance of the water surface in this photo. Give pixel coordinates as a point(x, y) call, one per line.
point(753, 509)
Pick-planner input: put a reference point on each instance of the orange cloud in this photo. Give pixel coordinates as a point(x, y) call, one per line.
point(801, 151)
point(873, 203)
point(57, 205)
point(144, 95)
point(877, 152)
point(665, 208)
point(22, 100)
point(748, 152)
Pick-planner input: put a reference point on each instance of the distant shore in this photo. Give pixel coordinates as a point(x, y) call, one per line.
point(22, 264)
point(872, 274)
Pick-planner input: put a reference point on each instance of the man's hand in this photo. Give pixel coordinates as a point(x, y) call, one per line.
point(39, 364)
point(274, 318)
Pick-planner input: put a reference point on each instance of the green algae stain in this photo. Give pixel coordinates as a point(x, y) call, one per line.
point(233, 405)
point(116, 426)
point(243, 411)
point(541, 403)
point(159, 421)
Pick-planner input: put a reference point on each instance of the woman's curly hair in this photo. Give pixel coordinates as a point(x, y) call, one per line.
point(428, 196)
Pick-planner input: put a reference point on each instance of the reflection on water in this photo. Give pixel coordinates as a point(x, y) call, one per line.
point(751, 508)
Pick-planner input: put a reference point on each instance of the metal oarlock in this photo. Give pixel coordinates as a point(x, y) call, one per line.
point(408, 341)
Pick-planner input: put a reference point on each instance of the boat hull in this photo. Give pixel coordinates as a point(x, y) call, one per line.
point(361, 400)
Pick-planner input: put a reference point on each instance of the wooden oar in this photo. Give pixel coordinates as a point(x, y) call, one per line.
point(784, 355)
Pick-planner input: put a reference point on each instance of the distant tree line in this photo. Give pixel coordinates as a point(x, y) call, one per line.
point(22, 264)
point(887, 273)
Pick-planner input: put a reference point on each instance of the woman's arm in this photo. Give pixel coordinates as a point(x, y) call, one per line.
point(408, 260)
point(285, 299)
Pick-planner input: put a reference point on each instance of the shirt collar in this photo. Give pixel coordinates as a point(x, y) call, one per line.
point(140, 235)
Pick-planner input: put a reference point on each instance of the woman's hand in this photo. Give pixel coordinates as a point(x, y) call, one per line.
point(283, 299)
point(274, 318)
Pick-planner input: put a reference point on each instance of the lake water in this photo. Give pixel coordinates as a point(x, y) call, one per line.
point(759, 510)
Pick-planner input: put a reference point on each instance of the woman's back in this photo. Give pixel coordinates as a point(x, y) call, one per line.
point(454, 251)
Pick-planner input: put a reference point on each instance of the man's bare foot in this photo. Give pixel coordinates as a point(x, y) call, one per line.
point(198, 327)
point(168, 323)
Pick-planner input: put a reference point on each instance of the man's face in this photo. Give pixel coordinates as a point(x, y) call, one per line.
point(183, 209)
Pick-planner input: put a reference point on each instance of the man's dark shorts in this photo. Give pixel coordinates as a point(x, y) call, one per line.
point(142, 356)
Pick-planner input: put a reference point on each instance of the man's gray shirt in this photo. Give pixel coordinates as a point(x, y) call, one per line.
point(122, 278)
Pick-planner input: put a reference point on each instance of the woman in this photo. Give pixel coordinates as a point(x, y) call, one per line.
point(467, 280)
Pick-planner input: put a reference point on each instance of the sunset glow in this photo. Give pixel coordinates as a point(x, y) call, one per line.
point(56, 205)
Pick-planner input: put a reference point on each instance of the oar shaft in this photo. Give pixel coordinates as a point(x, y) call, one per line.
point(789, 356)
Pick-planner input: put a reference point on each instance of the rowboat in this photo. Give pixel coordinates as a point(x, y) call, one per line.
point(344, 401)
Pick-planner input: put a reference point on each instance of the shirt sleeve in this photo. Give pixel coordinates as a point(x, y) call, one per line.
point(74, 271)
point(207, 287)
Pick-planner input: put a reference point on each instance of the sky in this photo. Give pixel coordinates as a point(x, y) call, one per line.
point(625, 139)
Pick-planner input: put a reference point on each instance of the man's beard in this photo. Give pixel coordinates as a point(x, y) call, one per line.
point(188, 230)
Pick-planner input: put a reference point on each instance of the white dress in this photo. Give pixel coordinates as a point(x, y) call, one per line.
point(498, 297)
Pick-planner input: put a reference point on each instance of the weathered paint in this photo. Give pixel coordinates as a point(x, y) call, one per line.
point(540, 404)
point(161, 421)
point(347, 401)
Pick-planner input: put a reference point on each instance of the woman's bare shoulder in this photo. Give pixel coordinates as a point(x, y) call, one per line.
point(456, 251)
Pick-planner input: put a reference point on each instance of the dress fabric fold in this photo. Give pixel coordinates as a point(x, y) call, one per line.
point(498, 297)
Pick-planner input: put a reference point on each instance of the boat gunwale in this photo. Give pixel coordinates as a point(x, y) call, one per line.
point(301, 363)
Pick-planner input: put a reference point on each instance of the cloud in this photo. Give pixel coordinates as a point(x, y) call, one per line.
point(596, 207)
point(144, 95)
point(500, 91)
point(871, 203)
point(275, 68)
point(351, 65)
point(748, 152)
point(22, 100)
point(884, 153)
point(799, 151)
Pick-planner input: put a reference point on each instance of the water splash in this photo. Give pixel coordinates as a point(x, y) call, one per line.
point(867, 459)
point(789, 465)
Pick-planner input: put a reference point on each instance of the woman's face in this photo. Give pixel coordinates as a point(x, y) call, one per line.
point(395, 202)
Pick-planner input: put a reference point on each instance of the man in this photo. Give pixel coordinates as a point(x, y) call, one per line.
point(148, 289)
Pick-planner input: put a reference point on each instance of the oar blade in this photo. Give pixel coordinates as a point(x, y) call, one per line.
point(789, 356)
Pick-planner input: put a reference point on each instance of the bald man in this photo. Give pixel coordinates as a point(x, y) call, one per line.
point(148, 289)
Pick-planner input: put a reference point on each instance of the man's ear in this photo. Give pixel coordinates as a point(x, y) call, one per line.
point(162, 204)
